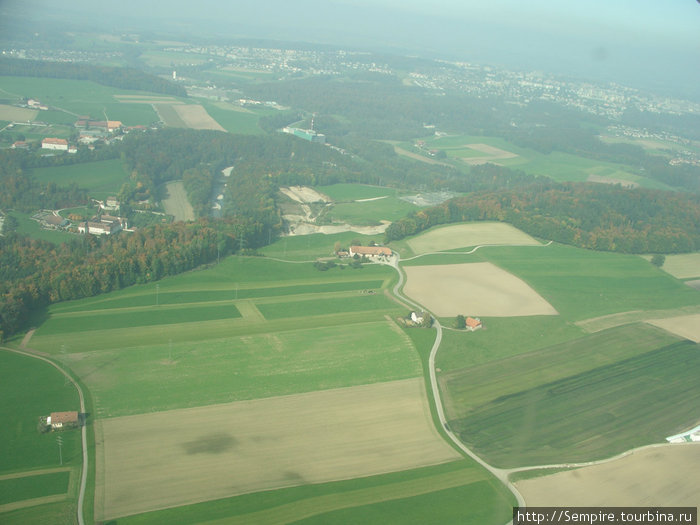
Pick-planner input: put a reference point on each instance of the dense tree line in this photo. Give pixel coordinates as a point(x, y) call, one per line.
point(119, 77)
point(586, 215)
point(35, 273)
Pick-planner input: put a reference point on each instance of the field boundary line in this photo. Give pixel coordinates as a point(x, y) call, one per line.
point(473, 250)
point(30, 473)
point(309, 507)
point(597, 324)
point(22, 504)
point(83, 428)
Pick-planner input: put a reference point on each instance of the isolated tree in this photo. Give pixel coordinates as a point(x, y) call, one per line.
point(460, 322)
point(658, 260)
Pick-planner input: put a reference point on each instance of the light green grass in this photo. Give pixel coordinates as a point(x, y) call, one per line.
point(105, 175)
point(371, 213)
point(206, 371)
point(170, 117)
point(682, 266)
point(501, 337)
point(30, 388)
point(353, 192)
point(590, 415)
point(136, 317)
point(321, 306)
point(80, 97)
point(61, 514)
point(474, 500)
point(28, 487)
point(31, 228)
point(233, 120)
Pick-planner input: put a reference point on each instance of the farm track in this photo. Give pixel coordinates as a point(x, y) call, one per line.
point(596, 324)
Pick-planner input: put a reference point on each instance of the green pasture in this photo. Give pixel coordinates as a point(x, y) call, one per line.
point(591, 414)
point(500, 338)
point(353, 192)
point(62, 513)
point(27, 226)
point(147, 296)
point(80, 97)
point(321, 306)
point(370, 213)
point(136, 317)
point(471, 387)
point(234, 119)
point(157, 58)
point(30, 388)
point(456, 492)
point(557, 165)
point(178, 374)
point(28, 487)
point(312, 247)
point(104, 175)
point(582, 284)
point(169, 117)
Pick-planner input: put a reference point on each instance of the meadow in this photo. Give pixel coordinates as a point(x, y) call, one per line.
point(101, 177)
point(31, 228)
point(353, 192)
point(587, 414)
point(236, 119)
point(30, 464)
point(372, 212)
point(557, 165)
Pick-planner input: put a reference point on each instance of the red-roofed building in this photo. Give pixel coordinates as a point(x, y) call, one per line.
point(370, 251)
point(55, 144)
point(473, 323)
point(63, 420)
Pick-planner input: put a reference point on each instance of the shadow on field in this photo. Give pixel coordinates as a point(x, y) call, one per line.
point(217, 443)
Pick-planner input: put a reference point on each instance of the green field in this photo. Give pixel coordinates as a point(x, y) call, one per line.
point(234, 119)
point(588, 408)
point(456, 492)
point(557, 165)
point(106, 176)
point(318, 245)
point(583, 284)
point(31, 228)
point(28, 487)
point(371, 212)
point(24, 448)
point(80, 97)
point(248, 338)
point(353, 192)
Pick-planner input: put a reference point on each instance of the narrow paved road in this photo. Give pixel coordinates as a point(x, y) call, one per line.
point(501, 474)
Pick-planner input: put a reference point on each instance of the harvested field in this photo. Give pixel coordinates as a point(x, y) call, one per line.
point(663, 476)
point(491, 153)
point(177, 204)
point(196, 117)
point(683, 266)
point(167, 459)
point(470, 234)
point(687, 326)
point(304, 194)
point(481, 289)
point(147, 99)
point(13, 113)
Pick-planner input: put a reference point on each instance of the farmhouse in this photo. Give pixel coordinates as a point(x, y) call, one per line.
point(55, 144)
point(370, 251)
point(417, 317)
point(473, 323)
point(104, 225)
point(62, 420)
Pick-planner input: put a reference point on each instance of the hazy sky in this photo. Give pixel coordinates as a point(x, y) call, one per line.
point(652, 41)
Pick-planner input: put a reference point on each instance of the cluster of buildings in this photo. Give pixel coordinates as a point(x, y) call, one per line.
point(306, 134)
point(103, 225)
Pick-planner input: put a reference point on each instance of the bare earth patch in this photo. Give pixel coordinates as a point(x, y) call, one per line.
point(470, 234)
point(196, 117)
point(687, 326)
point(13, 113)
point(492, 153)
point(176, 203)
point(167, 459)
point(662, 476)
point(682, 266)
point(304, 194)
point(481, 289)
